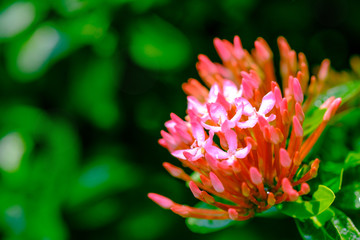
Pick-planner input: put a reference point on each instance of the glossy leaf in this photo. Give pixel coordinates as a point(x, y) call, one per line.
point(336, 226)
point(345, 91)
point(314, 116)
point(349, 197)
point(331, 174)
point(322, 198)
point(344, 226)
point(313, 120)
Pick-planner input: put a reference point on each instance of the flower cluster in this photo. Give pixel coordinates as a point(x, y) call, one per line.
point(242, 134)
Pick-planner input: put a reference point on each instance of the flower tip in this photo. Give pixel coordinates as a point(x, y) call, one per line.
point(195, 189)
point(262, 51)
point(299, 132)
point(330, 112)
point(238, 49)
point(174, 171)
point(162, 142)
point(288, 189)
point(298, 94)
point(285, 159)
point(324, 69)
point(299, 112)
point(271, 199)
point(233, 214)
point(218, 186)
point(278, 96)
point(255, 176)
point(293, 196)
point(160, 200)
point(305, 189)
point(245, 189)
point(221, 49)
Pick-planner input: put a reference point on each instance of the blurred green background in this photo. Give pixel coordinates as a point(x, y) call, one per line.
point(86, 86)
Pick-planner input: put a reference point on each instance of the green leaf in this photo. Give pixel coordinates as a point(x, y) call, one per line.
point(349, 197)
point(331, 174)
point(310, 231)
point(344, 226)
point(315, 115)
point(334, 225)
point(322, 198)
point(352, 160)
point(344, 91)
point(321, 219)
point(207, 226)
point(313, 120)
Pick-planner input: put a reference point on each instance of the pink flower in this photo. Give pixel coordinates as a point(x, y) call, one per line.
point(255, 164)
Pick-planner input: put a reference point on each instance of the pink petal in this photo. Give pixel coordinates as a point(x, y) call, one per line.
point(214, 91)
point(217, 112)
point(197, 130)
point(223, 102)
point(248, 109)
point(250, 123)
point(227, 125)
point(238, 114)
point(216, 152)
point(267, 103)
point(210, 127)
point(179, 154)
point(230, 90)
point(247, 89)
point(211, 161)
point(262, 122)
point(193, 154)
point(231, 139)
point(270, 118)
point(242, 153)
point(196, 106)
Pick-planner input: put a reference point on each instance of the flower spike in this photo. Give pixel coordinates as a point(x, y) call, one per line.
point(243, 135)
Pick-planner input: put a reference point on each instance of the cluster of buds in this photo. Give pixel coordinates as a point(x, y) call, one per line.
point(242, 134)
